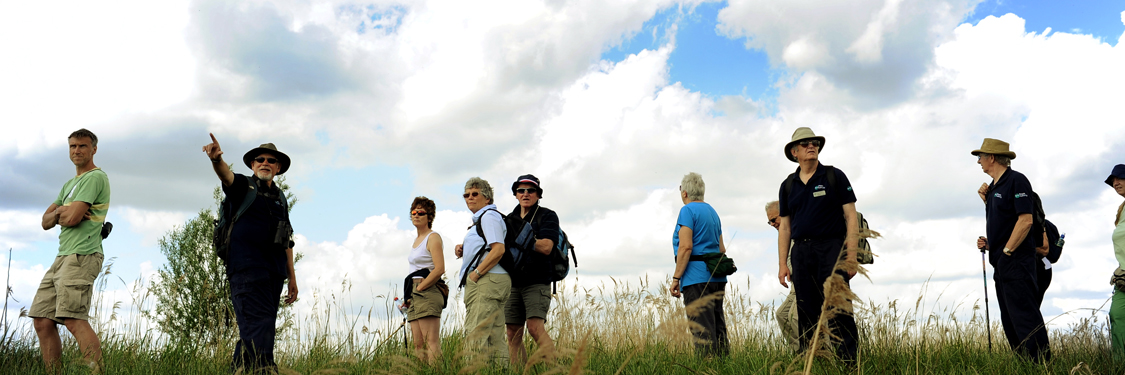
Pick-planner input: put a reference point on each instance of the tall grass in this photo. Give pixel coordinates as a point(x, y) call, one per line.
point(616, 327)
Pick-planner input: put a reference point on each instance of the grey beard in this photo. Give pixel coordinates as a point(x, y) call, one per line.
point(256, 175)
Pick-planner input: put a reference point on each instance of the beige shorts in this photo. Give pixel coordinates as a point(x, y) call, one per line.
point(425, 303)
point(67, 288)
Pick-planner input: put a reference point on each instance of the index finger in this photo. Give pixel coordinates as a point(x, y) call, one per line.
point(213, 138)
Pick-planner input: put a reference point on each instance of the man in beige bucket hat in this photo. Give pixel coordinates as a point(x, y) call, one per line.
point(817, 213)
point(1009, 205)
point(260, 253)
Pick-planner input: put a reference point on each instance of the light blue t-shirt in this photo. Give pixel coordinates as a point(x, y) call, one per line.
point(706, 230)
point(494, 229)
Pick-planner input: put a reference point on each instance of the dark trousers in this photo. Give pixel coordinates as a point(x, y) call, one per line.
point(1043, 279)
point(255, 309)
point(1019, 298)
point(712, 338)
point(813, 262)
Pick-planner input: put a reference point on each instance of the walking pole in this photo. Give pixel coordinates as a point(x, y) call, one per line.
point(987, 319)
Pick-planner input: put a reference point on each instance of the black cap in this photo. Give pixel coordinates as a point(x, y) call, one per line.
point(1118, 171)
point(527, 179)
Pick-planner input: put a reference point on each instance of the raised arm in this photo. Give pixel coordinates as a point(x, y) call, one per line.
point(215, 153)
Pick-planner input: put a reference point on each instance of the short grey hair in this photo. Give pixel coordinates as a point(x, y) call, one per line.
point(1003, 160)
point(693, 185)
point(480, 183)
point(773, 206)
point(999, 159)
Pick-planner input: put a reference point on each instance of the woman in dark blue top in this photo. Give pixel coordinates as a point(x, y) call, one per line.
point(699, 226)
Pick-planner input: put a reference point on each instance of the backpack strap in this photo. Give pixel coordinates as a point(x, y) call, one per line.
point(248, 200)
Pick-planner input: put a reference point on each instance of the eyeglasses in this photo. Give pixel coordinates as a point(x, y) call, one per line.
point(418, 212)
point(810, 142)
point(473, 194)
point(773, 221)
point(263, 159)
point(526, 190)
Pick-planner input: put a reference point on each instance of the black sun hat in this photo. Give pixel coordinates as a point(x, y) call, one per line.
point(269, 148)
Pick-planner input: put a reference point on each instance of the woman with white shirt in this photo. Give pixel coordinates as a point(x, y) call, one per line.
point(429, 292)
point(486, 283)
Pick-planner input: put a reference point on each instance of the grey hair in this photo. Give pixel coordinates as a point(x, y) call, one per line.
point(1003, 160)
point(693, 185)
point(773, 206)
point(999, 159)
point(83, 133)
point(480, 183)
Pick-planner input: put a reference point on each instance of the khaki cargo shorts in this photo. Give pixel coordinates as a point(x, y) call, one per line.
point(528, 302)
point(67, 288)
point(424, 304)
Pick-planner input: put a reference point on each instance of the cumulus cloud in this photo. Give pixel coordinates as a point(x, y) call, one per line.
point(875, 50)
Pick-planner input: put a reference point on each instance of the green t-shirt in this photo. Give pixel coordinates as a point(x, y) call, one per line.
point(86, 237)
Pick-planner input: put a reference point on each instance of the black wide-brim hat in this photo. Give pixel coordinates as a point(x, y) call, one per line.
point(269, 148)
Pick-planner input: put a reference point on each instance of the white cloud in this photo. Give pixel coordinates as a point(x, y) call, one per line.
point(18, 228)
point(153, 225)
point(88, 65)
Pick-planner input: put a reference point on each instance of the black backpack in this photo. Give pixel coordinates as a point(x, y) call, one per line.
point(520, 239)
point(559, 267)
point(1039, 225)
point(228, 215)
point(865, 256)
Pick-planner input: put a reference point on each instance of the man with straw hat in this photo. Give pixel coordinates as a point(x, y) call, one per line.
point(1008, 211)
point(817, 213)
point(260, 257)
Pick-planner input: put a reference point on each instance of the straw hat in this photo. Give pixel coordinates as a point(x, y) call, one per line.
point(802, 133)
point(995, 147)
point(282, 158)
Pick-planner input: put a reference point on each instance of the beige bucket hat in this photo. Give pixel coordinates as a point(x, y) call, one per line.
point(802, 133)
point(995, 147)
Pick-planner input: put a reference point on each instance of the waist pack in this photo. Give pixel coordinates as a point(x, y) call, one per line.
point(1118, 280)
point(718, 264)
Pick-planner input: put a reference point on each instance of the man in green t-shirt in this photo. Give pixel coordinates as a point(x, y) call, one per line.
point(67, 287)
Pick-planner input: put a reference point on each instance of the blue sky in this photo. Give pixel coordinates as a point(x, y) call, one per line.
point(427, 96)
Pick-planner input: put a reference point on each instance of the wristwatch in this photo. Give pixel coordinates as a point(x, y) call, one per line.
point(477, 272)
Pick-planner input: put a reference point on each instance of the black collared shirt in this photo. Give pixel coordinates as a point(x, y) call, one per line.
point(816, 210)
point(253, 253)
point(537, 269)
point(1007, 198)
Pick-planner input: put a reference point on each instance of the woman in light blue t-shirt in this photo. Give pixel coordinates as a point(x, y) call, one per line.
point(699, 227)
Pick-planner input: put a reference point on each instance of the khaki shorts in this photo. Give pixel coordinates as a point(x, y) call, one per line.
point(424, 304)
point(528, 302)
point(67, 288)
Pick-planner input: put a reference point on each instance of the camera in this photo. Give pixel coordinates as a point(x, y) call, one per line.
point(282, 233)
point(106, 228)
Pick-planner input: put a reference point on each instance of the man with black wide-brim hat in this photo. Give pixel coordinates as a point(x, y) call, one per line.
point(817, 213)
point(1008, 207)
point(259, 257)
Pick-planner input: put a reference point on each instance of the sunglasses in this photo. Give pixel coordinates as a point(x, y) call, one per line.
point(526, 190)
point(262, 160)
point(773, 221)
point(473, 194)
point(418, 212)
point(812, 142)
